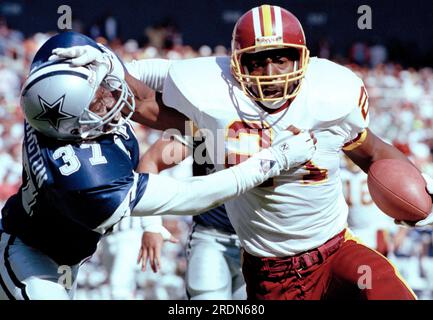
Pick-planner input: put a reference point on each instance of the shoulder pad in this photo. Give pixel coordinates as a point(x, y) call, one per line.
point(192, 77)
point(333, 90)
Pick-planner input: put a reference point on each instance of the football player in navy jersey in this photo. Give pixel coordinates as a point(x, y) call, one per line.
point(80, 157)
point(213, 246)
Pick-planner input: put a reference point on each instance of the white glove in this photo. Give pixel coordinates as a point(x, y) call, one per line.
point(105, 63)
point(117, 68)
point(429, 220)
point(293, 150)
point(288, 151)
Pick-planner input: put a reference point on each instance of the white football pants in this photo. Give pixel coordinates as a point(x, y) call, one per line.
point(214, 266)
point(119, 255)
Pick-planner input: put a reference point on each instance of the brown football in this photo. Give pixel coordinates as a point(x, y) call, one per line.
point(398, 189)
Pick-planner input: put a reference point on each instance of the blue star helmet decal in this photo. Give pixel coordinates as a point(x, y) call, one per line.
point(52, 112)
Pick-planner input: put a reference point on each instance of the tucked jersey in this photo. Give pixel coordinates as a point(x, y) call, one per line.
point(72, 194)
point(304, 207)
point(365, 218)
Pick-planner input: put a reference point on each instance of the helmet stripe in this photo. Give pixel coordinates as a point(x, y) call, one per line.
point(267, 20)
point(47, 64)
point(278, 21)
point(53, 73)
point(256, 23)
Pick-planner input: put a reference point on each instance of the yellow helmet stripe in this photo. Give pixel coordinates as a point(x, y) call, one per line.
point(267, 20)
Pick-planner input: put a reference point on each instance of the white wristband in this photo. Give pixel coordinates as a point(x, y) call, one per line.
point(157, 228)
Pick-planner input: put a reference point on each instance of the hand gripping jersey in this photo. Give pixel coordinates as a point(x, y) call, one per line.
point(73, 193)
point(304, 207)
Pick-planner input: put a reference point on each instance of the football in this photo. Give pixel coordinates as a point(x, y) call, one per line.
point(399, 190)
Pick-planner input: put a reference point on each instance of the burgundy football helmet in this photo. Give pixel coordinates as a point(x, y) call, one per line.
point(265, 28)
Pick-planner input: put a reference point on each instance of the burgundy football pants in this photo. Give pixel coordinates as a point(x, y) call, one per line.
point(346, 269)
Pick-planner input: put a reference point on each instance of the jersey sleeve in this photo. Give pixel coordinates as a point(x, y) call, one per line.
point(176, 93)
point(194, 195)
point(356, 122)
point(152, 72)
point(165, 195)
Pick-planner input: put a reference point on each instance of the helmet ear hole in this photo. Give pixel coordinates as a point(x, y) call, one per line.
point(75, 132)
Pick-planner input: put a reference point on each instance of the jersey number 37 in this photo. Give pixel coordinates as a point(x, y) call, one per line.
point(72, 163)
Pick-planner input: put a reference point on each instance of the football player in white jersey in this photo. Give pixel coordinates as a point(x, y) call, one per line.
point(80, 156)
point(293, 227)
point(365, 219)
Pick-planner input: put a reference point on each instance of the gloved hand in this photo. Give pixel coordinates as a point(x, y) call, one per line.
point(427, 221)
point(105, 63)
point(293, 148)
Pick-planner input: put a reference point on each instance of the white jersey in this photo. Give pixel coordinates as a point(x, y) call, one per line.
point(365, 218)
point(304, 207)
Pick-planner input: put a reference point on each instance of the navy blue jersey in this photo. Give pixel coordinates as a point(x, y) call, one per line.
point(73, 193)
point(216, 217)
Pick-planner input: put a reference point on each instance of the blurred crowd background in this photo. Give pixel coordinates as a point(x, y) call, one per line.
point(401, 112)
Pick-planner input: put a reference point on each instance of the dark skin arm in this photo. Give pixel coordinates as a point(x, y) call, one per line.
point(151, 111)
point(154, 161)
point(373, 149)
